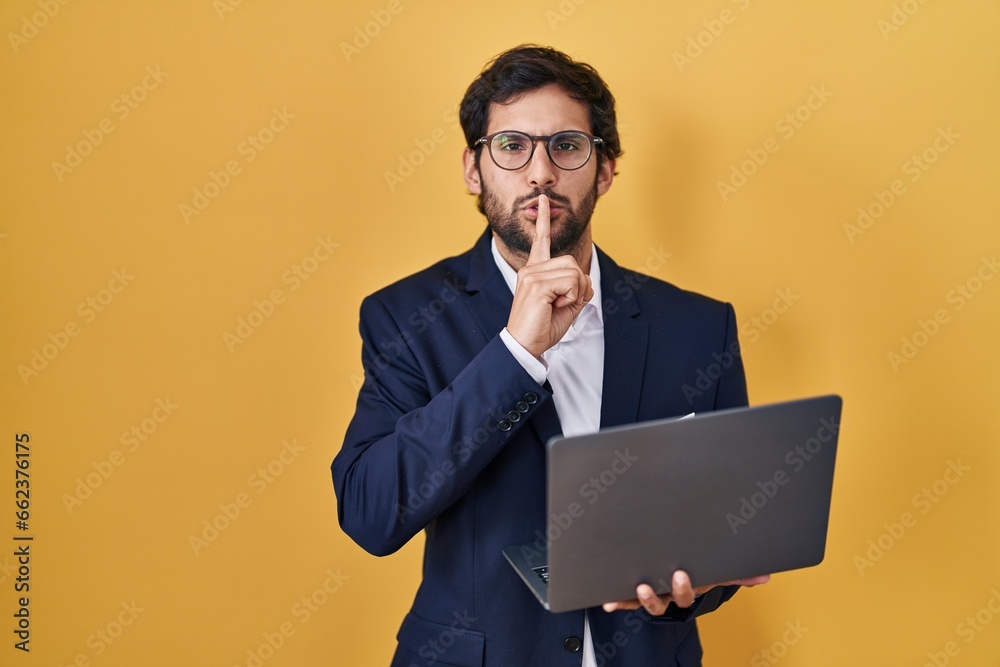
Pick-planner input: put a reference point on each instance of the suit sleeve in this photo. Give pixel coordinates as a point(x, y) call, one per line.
point(407, 455)
point(731, 391)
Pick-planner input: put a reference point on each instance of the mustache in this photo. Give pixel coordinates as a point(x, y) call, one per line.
point(556, 198)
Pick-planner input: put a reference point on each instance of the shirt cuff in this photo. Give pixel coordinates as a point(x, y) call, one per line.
point(535, 367)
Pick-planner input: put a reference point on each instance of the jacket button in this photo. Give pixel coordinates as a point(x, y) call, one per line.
point(521, 406)
point(572, 644)
point(514, 415)
point(504, 425)
point(531, 397)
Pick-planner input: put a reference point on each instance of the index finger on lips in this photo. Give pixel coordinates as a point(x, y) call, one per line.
point(540, 244)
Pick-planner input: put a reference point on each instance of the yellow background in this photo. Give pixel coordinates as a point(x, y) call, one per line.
point(348, 117)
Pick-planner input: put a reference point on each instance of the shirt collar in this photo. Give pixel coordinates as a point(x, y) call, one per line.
point(593, 306)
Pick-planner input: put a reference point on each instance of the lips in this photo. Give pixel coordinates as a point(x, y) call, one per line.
point(532, 212)
point(532, 208)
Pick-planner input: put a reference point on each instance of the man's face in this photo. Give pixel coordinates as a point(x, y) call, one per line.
point(510, 197)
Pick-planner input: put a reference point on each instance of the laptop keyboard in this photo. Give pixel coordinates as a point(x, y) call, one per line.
point(542, 572)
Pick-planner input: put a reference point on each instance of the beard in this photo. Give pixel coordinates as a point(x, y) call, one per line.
point(507, 224)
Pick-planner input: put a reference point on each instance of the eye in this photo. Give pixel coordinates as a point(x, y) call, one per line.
point(568, 143)
point(509, 143)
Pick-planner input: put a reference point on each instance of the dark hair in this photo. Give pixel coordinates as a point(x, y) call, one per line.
point(529, 67)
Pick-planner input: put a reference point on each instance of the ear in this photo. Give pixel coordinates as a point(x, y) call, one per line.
point(470, 172)
point(605, 175)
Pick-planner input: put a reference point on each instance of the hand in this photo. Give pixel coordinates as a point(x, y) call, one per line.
point(550, 292)
point(682, 594)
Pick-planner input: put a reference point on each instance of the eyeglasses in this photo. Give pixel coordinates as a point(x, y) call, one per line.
point(568, 150)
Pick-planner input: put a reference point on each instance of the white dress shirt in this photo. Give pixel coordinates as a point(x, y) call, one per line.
point(574, 368)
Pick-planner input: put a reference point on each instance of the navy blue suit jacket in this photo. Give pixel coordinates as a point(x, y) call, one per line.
point(431, 447)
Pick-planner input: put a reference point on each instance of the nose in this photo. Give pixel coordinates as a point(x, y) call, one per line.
point(541, 172)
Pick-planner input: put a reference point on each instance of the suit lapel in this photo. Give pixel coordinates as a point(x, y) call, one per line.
point(489, 297)
point(625, 342)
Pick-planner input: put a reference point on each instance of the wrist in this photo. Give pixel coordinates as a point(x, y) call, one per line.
point(534, 365)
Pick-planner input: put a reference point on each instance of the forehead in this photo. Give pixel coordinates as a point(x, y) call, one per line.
point(540, 112)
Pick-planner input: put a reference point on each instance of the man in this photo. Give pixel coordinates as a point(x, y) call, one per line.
point(539, 332)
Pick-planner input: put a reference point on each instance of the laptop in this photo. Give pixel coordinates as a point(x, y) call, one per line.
point(723, 495)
